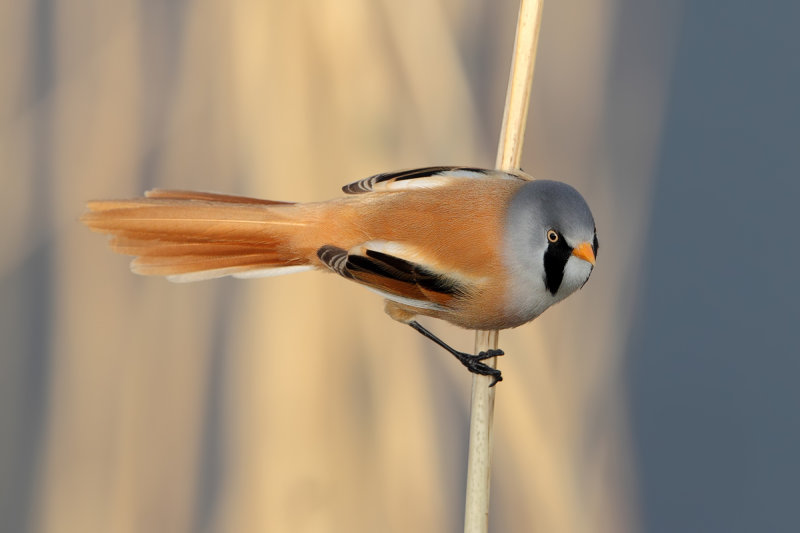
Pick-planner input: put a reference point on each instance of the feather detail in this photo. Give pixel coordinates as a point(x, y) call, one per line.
point(424, 178)
point(189, 236)
point(393, 276)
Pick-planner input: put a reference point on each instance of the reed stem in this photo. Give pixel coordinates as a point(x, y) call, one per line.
point(509, 150)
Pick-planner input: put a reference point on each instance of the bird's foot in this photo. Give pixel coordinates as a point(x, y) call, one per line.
point(475, 364)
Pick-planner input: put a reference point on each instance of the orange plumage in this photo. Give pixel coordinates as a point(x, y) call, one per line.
point(191, 236)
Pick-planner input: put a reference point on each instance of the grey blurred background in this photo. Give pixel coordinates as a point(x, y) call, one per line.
point(713, 358)
point(659, 398)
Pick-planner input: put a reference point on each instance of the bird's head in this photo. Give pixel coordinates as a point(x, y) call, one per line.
point(551, 242)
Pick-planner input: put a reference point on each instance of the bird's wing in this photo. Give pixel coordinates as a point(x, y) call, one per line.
point(428, 177)
point(395, 277)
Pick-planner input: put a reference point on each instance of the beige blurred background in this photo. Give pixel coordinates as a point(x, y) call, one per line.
point(293, 404)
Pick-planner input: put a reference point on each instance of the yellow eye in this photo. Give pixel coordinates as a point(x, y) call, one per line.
point(552, 235)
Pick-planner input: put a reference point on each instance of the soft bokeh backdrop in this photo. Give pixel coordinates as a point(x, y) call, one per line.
point(293, 404)
point(713, 359)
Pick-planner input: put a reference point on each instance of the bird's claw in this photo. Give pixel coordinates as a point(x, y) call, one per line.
point(474, 365)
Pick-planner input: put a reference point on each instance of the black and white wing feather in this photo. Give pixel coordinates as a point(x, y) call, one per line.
point(428, 177)
point(392, 276)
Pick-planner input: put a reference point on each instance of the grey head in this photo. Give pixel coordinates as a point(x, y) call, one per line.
point(551, 244)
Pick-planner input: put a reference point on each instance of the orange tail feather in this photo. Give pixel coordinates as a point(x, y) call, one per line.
point(189, 235)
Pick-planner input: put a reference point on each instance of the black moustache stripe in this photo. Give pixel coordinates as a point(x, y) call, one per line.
point(555, 260)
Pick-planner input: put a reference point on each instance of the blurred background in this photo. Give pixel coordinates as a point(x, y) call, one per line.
point(662, 397)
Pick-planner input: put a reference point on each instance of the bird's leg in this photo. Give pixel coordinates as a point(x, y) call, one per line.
point(473, 362)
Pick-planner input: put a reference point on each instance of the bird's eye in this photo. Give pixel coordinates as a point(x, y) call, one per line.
point(552, 235)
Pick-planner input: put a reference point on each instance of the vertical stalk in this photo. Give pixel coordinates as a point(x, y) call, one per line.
point(509, 150)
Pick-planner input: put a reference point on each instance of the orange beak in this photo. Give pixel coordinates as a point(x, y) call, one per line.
point(584, 251)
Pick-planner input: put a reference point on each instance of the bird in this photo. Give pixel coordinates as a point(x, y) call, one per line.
point(479, 248)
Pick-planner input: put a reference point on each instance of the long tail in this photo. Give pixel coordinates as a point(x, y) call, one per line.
point(190, 236)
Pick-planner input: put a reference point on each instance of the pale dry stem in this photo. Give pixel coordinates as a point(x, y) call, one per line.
point(512, 133)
